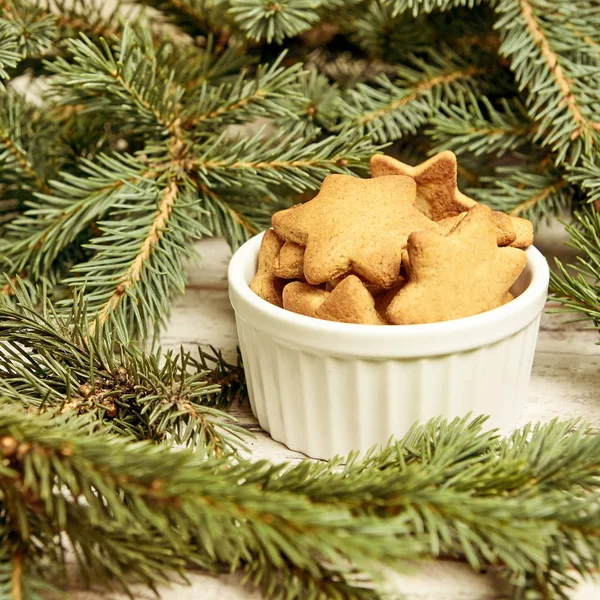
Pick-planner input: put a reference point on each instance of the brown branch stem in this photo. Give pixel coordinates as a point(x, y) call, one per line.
point(16, 587)
point(133, 274)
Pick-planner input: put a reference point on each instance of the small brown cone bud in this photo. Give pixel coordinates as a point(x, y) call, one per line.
point(8, 445)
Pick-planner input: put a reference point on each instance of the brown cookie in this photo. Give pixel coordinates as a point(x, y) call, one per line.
point(524, 233)
point(350, 302)
point(505, 232)
point(289, 263)
point(437, 193)
point(265, 284)
point(355, 224)
point(302, 298)
point(382, 301)
point(373, 289)
point(458, 275)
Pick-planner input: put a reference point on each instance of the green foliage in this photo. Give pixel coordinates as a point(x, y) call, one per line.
point(51, 364)
point(479, 128)
point(534, 196)
point(550, 57)
point(417, 7)
point(576, 286)
point(275, 21)
point(447, 487)
point(203, 119)
point(393, 108)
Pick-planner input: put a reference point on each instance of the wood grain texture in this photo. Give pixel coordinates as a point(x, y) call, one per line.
point(564, 383)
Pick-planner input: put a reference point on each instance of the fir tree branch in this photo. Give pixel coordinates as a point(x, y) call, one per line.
point(130, 78)
point(270, 89)
point(140, 249)
point(576, 286)
point(9, 55)
point(32, 27)
point(393, 109)
point(422, 495)
point(587, 177)
point(275, 21)
point(478, 127)
point(52, 364)
point(133, 273)
point(198, 16)
point(27, 156)
point(52, 223)
point(417, 7)
point(560, 86)
point(282, 160)
point(85, 16)
point(534, 196)
point(315, 110)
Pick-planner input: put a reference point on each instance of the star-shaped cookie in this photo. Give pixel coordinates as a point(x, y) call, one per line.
point(437, 193)
point(462, 274)
point(265, 283)
point(289, 263)
point(355, 224)
point(303, 299)
point(439, 198)
point(350, 302)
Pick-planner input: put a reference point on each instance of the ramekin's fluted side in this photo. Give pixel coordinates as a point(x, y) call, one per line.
point(323, 405)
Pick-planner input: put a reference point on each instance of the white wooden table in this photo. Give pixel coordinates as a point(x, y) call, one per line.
point(565, 383)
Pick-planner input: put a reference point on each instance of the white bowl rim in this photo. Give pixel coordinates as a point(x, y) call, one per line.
point(384, 340)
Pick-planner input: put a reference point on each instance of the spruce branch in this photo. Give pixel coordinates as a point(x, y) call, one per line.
point(534, 196)
point(390, 109)
point(475, 125)
point(87, 16)
point(275, 21)
point(50, 363)
point(21, 130)
point(575, 286)
point(197, 17)
point(98, 78)
point(33, 28)
point(587, 177)
point(316, 108)
point(267, 91)
point(562, 87)
point(418, 7)
point(208, 512)
point(53, 222)
point(446, 488)
point(282, 160)
point(9, 55)
point(136, 267)
point(391, 36)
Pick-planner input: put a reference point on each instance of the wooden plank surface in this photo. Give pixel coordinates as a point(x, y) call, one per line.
point(564, 383)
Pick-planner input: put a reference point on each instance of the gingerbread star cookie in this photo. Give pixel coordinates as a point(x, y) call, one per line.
point(458, 275)
point(524, 232)
point(265, 283)
point(355, 224)
point(289, 263)
point(350, 302)
point(505, 232)
point(437, 193)
point(304, 299)
point(439, 198)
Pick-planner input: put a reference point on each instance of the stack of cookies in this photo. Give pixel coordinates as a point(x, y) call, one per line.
point(405, 246)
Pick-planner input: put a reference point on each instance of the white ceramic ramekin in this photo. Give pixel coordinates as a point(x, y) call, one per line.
point(325, 388)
